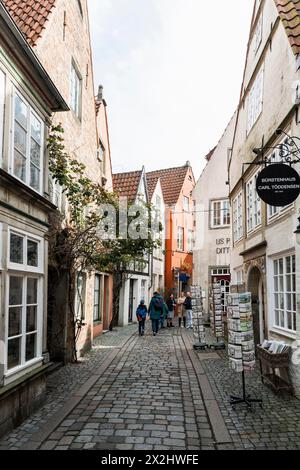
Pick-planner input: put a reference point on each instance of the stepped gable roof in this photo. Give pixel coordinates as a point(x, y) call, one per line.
point(289, 12)
point(127, 184)
point(172, 180)
point(30, 16)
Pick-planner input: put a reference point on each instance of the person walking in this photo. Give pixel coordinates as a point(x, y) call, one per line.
point(156, 308)
point(171, 304)
point(141, 315)
point(189, 310)
point(181, 310)
point(163, 316)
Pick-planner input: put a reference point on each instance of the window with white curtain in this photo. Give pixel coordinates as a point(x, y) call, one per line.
point(76, 90)
point(253, 205)
point(238, 230)
point(255, 100)
point(2, 102)
point(27, 148)
point(285, 306)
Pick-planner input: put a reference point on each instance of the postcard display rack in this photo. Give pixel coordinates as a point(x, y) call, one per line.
point(216, 320)
point(241, 347)
point(198, 318)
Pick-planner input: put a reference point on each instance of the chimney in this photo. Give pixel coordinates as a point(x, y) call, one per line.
point(100, 93)
point(188, 163)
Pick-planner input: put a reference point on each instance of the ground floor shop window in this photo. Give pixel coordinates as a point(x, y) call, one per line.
point(23, 310)
point(285, 292)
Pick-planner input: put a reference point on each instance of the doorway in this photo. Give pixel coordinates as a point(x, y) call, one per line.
point(256, 287)
point(131, 300)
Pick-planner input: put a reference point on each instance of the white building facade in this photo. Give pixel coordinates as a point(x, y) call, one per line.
point(266, 251)
point(213, 219)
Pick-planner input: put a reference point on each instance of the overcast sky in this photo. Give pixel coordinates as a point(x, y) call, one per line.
point(172, 72)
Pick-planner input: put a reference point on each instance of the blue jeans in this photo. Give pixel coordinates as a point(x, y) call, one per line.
point(155, 325)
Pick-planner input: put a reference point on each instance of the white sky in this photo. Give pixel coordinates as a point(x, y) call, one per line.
point(172, 72)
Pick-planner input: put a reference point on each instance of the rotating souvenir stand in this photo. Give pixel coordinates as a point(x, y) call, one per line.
point(241, 348)
point(198, 318)
point(216, 319)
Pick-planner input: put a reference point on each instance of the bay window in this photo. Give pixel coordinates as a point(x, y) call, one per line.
point(255, 100)
point(27, 148)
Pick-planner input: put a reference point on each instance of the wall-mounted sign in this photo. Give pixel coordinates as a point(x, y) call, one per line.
point(278, 185)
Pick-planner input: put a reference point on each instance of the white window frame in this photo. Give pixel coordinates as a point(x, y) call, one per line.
point(239, 273)
point(55, 192)
point(255, 100)
point(238, 219)
point(24, 267)
point(2, 107)
point(224, 211)
point(283, 292)
point(253, 205)
point(180, 238)
point(30, 111)
point(190, 240)
point(258, 34)
point(76, 106)
point(100, 299)
point(186, 203)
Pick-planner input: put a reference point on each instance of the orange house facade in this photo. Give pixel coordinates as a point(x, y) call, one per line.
point(177, 186)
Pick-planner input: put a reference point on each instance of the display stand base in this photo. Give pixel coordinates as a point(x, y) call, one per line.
point(220, 345)
point(200, 346)
point(245, 398)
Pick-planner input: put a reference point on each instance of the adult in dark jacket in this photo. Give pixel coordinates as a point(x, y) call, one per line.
point(156, 309)
point(171, 303)
point(189, 310)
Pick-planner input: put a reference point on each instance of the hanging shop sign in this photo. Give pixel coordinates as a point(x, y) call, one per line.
point(278, 185)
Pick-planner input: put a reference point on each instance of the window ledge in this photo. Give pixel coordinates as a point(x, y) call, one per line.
point(18, 369)
point(282, 332)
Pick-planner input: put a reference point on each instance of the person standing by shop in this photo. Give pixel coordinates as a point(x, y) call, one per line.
point(181, 310)
point(141, 315)
point(156, 309)
point(189, 310)
point(171, 303)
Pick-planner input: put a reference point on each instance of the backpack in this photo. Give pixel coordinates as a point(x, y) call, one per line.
point(158, 304)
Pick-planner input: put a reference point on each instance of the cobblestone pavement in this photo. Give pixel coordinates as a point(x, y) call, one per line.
point(275, 427)
point(155, 393)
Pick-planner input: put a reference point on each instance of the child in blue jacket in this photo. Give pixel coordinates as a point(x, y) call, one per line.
point(141, 315)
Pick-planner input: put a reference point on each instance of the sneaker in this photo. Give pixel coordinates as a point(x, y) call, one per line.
point(154, 334)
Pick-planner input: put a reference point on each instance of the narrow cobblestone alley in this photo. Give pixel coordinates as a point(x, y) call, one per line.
point(153, 393)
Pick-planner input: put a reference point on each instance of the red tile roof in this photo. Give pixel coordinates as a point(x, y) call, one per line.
point(30, 16)
point(152, 180)
point(289, 12)
point(172, 180)
point(127, 184)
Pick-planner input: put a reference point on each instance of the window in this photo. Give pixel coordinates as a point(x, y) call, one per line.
point(238, 231)
point(80, 296)
point(2, 102)
point(143, 290)
point(76, 91)
point(285, 292)
point(190, 240)
point(186, 204)
point(239, 277)
point(253, 205)
point(25, 252)
point(220, 272)
point(276, 157)
point(24, 305)
point(257, 38)
point(180, 239)
point(97, 299)
point(255, 100)
point(220, 214)
point(27, 148)
point(55, 192)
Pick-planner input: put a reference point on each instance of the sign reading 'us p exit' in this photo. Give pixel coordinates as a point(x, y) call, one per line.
point(278, 185)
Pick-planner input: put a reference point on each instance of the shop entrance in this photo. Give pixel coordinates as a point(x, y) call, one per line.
point(256, 287)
